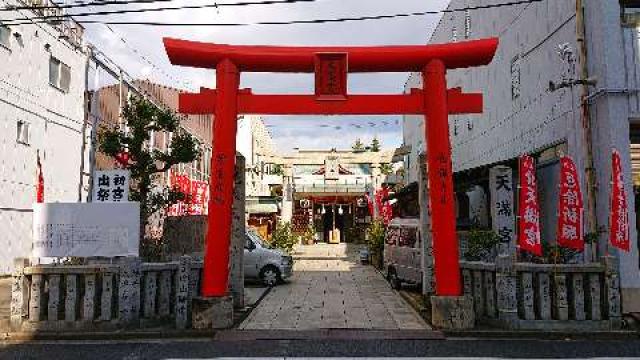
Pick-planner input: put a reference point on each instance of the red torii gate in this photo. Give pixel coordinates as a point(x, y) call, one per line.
point(331, 65)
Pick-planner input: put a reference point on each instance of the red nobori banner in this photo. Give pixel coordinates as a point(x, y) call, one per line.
point(529, 209)
point(197, 193)
point(619, 216)
point(570, 232)
point(199, 197)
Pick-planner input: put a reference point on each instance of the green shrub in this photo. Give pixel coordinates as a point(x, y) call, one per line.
point(481, 245)
point(375, 236)
point(282, 238)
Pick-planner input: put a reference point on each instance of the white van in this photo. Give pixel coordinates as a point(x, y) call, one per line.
point(263, 262)
point(403, 252)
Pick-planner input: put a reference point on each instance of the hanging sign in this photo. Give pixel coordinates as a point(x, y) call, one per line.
point(619, 216)
point(331, 76)
point(111, 186)
point(570, 232)
point(529, 210)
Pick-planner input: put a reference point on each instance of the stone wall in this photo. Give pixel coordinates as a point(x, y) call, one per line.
point(103, 297)
point(544, 296)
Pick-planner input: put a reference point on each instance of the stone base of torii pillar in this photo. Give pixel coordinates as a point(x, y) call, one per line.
point(452, 312)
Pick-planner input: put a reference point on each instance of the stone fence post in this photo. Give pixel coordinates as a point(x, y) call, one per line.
point(129, 290)
point(507, 301)
point(182, 305)
point(612, 290)
point(428, 282)
point(19, 294)
point(236, 247)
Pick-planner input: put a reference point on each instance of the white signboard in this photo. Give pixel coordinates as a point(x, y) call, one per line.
point(111, 186)
point(86, 229)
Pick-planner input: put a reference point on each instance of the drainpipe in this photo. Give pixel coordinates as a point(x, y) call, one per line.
point(592, 222)
point(83, 148)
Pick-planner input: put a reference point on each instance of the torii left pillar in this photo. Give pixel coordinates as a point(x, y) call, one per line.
point(215, 280)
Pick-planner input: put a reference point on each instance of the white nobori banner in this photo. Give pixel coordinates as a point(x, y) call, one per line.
point(86, 229)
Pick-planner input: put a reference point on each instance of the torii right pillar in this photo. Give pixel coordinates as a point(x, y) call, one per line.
point(449, 309)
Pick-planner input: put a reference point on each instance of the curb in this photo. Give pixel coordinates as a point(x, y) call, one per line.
point(114, 335)
point(541, 335)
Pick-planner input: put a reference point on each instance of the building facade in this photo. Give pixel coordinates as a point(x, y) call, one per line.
point(42, 96)
point(327, 191)
point(532, 92)
point(263, 178)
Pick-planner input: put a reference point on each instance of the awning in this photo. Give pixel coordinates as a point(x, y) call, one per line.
point(261, 206)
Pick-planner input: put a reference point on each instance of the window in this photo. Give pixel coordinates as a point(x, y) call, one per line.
point(5, 36)
point(59, 74)
point(22, 132)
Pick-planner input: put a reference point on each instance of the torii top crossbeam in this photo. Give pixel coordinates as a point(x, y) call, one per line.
point(302, 58)
point(331, 66)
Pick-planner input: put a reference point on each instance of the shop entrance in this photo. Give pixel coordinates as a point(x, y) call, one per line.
point(331, 66)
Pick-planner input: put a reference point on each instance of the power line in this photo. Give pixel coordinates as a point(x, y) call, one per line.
point(132, 2)
point(146, 59)
point(291, 22)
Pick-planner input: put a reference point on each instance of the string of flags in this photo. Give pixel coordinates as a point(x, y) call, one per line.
point(570, 225)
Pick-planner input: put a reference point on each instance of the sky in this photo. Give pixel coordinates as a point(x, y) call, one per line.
point(142, 55)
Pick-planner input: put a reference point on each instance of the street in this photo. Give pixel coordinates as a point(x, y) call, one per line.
point(331, 290)
point(207, 348)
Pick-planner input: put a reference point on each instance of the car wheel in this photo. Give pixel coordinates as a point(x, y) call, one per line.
point(393, 279)
point(270, 275)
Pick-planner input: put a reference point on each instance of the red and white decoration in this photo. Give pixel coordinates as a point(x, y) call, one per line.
point(619, 216)
point(570, 232)
point(197, 193)
point(529, 209)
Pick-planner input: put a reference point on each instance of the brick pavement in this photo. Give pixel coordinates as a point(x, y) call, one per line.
point(331, 290)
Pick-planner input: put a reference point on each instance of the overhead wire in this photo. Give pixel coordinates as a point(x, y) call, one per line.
point(289, 22)
point(83, 4)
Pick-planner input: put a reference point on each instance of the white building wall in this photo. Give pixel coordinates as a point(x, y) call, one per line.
point(508, 127)
point(55, 121)
point(254, 142)
point(531, 36)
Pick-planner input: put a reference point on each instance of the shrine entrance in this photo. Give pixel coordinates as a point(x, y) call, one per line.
point(331, 66)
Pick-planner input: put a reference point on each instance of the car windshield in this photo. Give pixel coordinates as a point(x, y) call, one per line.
point(259, 240)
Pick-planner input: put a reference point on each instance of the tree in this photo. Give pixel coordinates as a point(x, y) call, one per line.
point(358, 146)
point(375, 144)
point(142, 118)
point(386, 169)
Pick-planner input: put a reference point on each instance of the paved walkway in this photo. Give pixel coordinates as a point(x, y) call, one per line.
point(331, 290)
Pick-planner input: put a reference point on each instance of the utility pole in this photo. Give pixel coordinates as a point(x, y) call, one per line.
point(592, 221)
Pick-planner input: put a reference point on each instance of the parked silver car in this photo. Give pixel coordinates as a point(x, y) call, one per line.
point(263, 262)
point(403, 252)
